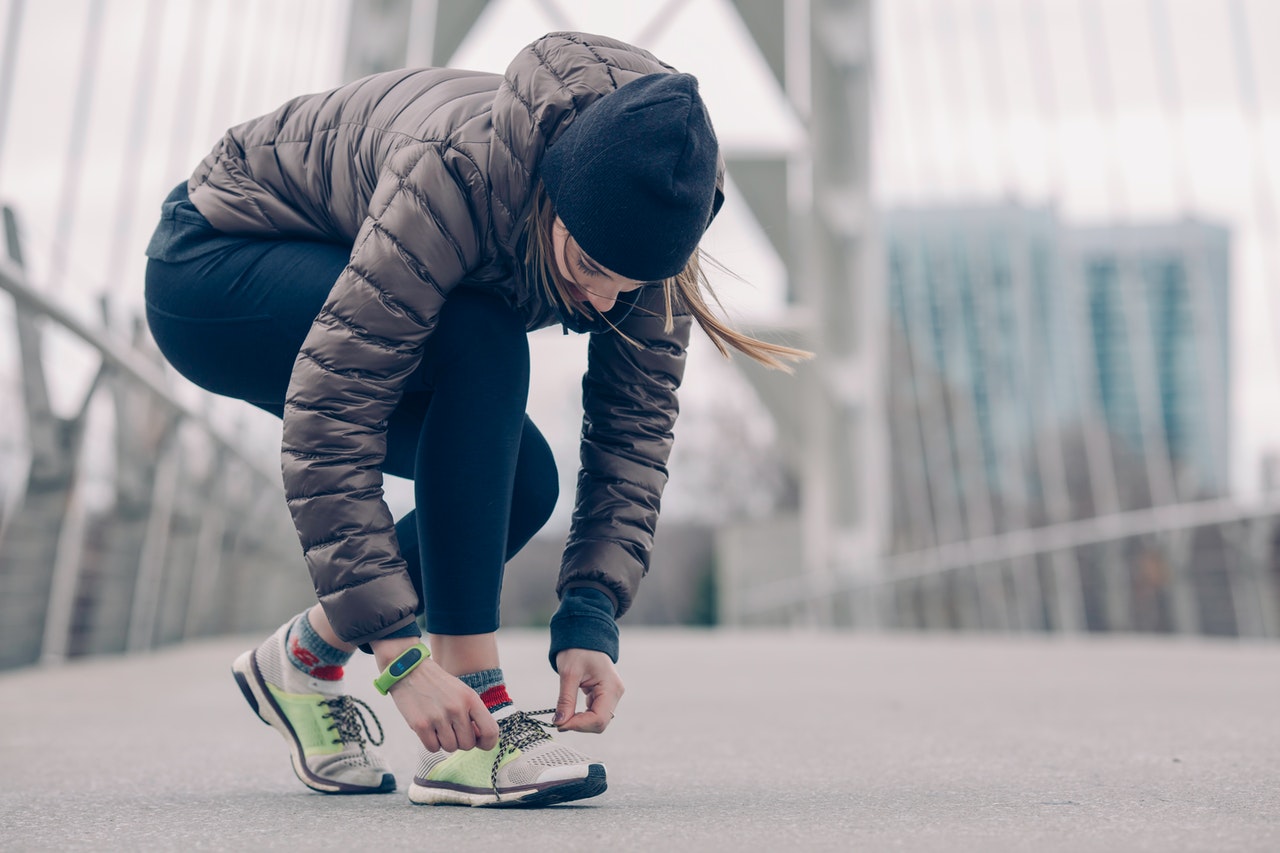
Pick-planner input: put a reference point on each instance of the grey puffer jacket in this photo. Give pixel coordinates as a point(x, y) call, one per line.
point(429, 175)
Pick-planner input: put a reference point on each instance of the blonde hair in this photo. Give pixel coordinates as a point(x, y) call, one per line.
point(688, 287)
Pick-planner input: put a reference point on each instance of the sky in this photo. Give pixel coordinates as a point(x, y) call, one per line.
point(1112, 112)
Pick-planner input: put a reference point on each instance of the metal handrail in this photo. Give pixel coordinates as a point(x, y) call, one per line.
point(1033, 541)
point(122, 359)
point(1030, 542)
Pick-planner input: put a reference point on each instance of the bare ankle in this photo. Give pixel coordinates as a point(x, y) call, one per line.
point(320, 623)
point(460, 654)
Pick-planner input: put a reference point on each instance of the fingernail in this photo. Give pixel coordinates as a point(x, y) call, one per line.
point(558, 718)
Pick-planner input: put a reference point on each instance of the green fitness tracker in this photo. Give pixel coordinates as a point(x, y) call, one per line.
point(405, 663)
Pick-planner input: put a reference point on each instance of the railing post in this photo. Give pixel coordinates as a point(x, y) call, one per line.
point(1068, 598)
point(993, 599)
point(207, 567)
point(1253, 588)
point(29, 549)
point(143, 611)
point(1117, 586)
point(1028, 593)
point(1184, 610)
point(65, 572)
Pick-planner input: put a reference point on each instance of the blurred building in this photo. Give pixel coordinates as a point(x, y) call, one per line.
point(1039, 373)
point(1168, 285)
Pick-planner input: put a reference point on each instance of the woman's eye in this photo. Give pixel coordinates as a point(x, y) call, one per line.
point(585, 269)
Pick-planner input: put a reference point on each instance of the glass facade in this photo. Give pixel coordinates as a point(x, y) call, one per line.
point(1177, 276)
point(1040, 373)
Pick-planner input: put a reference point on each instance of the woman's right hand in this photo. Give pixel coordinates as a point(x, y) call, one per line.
point(442, 711)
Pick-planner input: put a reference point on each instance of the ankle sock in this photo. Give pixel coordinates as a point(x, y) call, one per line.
point(491, 685)
point(311, 654)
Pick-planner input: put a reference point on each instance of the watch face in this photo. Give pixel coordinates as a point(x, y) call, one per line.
point(402, 664)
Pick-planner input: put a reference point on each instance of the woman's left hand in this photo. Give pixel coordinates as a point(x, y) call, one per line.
point(595, 675)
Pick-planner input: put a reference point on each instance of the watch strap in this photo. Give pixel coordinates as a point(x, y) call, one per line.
point(405, 663)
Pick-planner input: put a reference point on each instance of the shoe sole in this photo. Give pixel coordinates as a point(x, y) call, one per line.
point(435, 794)
point(254, 687)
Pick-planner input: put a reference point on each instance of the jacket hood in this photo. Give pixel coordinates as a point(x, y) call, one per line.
point(543, 89)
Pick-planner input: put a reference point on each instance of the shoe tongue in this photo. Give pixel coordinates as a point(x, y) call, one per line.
point(328, 688)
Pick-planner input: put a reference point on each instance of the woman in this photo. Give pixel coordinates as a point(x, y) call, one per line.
point(366, 264)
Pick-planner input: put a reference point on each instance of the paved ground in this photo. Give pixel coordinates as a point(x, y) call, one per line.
point(725, 741)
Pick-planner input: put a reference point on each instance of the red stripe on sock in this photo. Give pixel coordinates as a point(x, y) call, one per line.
point(308, 659)
point(495, 697)
point(327, 673)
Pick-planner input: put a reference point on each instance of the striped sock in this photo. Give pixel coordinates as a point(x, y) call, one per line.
point(491, 685)
point(311, 654)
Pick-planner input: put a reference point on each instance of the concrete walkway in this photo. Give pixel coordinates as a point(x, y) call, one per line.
point(725, 741)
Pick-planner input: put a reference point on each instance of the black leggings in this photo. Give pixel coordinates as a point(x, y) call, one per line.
point(232, 318)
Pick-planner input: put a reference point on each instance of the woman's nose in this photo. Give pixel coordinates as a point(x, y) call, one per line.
point(602, 302)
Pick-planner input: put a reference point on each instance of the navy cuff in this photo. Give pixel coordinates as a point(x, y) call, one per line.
point(410, 630)
point(584, 621)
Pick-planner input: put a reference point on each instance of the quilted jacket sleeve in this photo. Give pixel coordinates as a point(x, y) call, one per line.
point(417, 243)
point(629, 411)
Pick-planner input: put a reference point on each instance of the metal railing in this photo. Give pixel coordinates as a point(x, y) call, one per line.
point(194, 538)
point(1209, 567)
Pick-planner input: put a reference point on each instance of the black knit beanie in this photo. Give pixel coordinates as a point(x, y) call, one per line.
point(633, 177)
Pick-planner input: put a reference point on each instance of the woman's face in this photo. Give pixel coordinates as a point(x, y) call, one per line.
point(587, 280)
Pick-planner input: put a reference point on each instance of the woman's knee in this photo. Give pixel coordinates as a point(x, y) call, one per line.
point(478, 336)
point(473, 322)
point(479, 342)
point(537, 489)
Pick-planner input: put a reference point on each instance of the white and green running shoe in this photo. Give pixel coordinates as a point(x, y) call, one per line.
point(327, 732)
point(526, 768)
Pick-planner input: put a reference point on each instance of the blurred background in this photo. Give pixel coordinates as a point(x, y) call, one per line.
point(1034, 244)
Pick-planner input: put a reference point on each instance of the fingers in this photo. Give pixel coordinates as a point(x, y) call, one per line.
point(445, 734)
point(570, 680)
point(600, 710)
point(484, 725)
point(429, 739)
point(588, 721)
point(483, 737)
point(443, 712)
point(594, 674)
point(464, 733)
point(603, 704)
point(477, 731)
point(468, 725)
point(602, 699)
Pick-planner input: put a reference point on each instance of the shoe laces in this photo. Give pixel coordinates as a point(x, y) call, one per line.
point(350, 722)
point(515, 732)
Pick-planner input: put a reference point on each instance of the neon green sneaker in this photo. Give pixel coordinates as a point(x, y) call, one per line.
point(325, 729)
point(526, 768)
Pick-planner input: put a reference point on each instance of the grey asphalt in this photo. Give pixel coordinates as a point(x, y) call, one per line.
point(724, 741)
